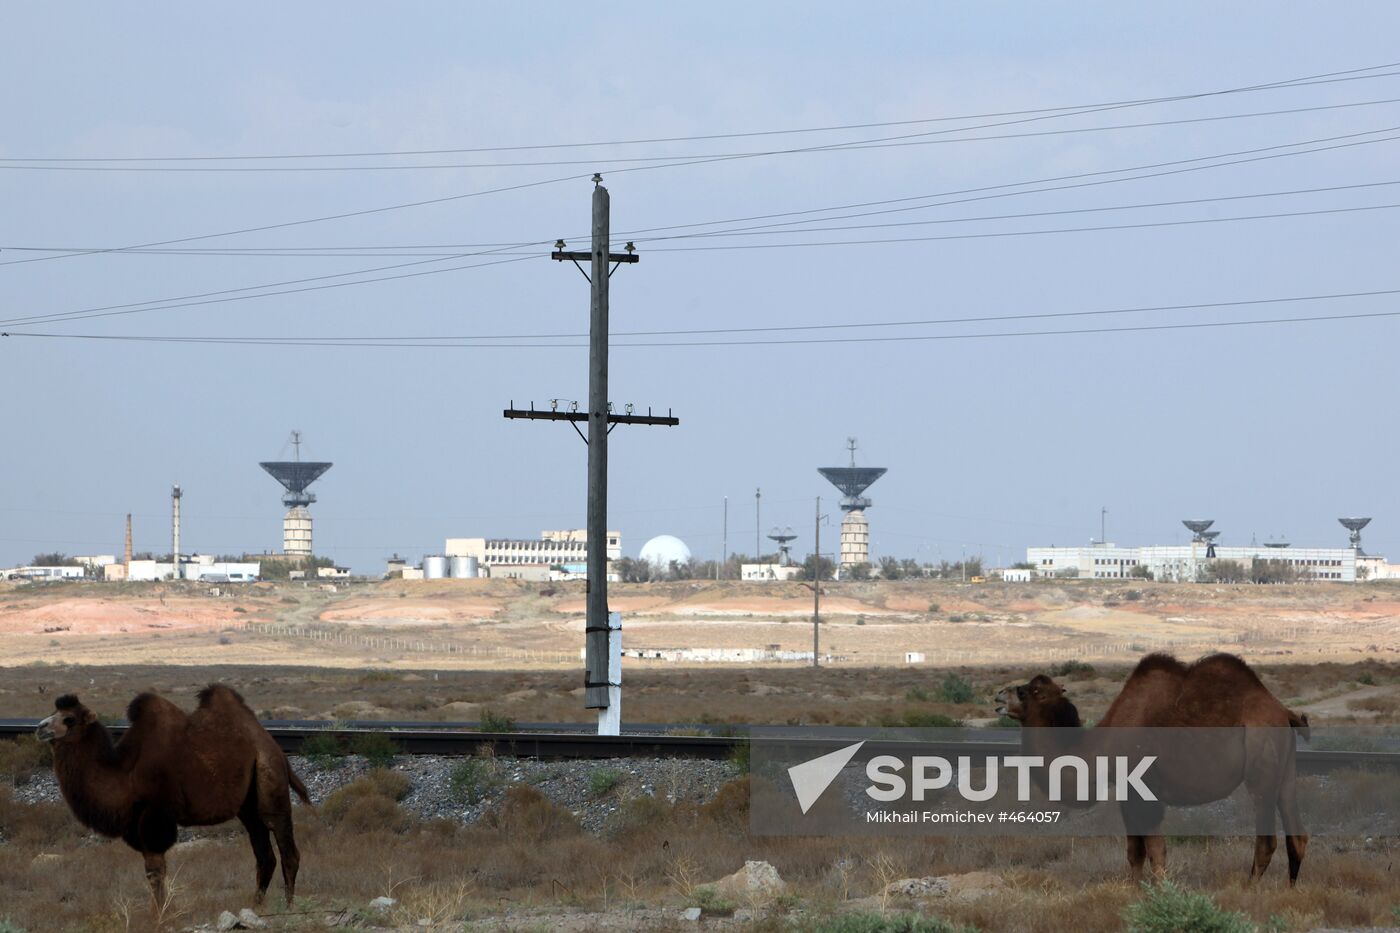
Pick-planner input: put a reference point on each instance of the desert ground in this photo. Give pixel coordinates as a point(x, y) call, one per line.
point(485, 624)
point(463, 650)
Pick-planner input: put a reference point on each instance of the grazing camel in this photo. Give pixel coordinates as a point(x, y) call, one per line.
point(173, 768)
point(1219, 692)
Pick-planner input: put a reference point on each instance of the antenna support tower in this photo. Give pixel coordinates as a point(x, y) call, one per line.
point(295, 475)
point(784, 538)
point(855, 530)
point(1354, 526)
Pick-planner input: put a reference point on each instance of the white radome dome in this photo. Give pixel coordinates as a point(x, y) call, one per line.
point(662, 550)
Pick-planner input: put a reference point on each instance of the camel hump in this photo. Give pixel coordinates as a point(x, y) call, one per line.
point(1159, 661)
point(145, 706)
point(216, 693)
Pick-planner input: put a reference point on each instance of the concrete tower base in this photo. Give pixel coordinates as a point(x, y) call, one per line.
point(855, 539)
point(296, 532)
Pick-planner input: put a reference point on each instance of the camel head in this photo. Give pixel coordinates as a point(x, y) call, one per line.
point(68, 722)
point(1038, 702)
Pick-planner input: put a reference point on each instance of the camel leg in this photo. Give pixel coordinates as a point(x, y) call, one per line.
point(286, 844)
point(1137, 854)
point(157, 833)
point(155, 877)
point(1293, 836)
point(1157, 856)
point(1142, 819)
point(261, 842)
point(1265, 840)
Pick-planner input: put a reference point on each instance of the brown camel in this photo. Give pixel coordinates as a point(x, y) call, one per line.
point(173, 768)
point(1219, 692)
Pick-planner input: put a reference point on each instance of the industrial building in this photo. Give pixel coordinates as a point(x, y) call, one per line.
point(550, 549)
point(1188, 562)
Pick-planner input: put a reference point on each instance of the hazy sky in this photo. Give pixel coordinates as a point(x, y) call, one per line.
point(992, 444)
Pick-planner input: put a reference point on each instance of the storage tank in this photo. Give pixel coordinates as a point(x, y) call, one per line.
point(465, 568)
point(434, 567)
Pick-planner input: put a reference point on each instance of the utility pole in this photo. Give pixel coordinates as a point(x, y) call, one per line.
point(602, 676)
point(758, 525)
point(724, 546)
point(817, 590)
point(175, 496)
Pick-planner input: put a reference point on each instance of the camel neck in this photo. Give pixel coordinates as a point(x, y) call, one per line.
point(94, 782)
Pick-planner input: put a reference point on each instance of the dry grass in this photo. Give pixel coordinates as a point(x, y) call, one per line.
point(715, 696)
point(530, 853)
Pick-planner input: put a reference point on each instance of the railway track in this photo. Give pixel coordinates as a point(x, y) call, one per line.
point(575, 741)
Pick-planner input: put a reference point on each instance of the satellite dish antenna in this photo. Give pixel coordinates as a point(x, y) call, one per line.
point(295, 475)
point(1354, 525)
point(1198, 527)
point(783, 537)
point(1209, 537)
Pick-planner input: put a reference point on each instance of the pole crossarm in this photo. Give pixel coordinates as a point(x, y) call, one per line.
point(532, 414)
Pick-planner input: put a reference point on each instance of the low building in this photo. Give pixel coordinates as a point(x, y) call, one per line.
point(769, 572)
point(333, 573)
point(534, 573)
point(1017, 575)
point(551, 548)
point(223, 571)
point(46, 574)
point(1186, 563)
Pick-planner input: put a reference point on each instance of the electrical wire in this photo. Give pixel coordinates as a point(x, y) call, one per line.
point(136, 307)
point(458, 342)
point(999, 191)
point(1353, 74)
point(891, 142)
point(300, 252)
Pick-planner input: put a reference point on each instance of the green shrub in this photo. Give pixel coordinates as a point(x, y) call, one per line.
point(1072, 669)
point(9, 926)
point(956, 690)
point(491, 721)
point(918, 719)
point(739, 757)
point(603, 780)
point(916, 695)
point(1166, 908)
point(933, 607)
point(1367, 679)
point(376, 747)
point(322, 749)
point(471, 780)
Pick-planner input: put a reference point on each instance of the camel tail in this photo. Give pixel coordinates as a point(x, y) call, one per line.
point(1299, 722)
point(295, 783)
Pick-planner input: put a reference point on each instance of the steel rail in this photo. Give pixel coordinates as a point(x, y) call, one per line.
point(556, 741)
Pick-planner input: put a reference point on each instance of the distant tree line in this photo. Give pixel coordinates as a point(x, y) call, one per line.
point(631, 570)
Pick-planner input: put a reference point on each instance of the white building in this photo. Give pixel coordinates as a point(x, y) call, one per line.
point(1186, 562)
point(1017, 575)
point(43, 573)
point(768, 572)
point(551, 548)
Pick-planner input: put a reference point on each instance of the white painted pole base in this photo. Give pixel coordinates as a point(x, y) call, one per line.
point(610, 719)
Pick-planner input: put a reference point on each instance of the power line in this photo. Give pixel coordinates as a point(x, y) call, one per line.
point(449, 198)
point(117, 310)
point(1016, 233)
point(1252, 154)
point(444, 343)
point(1353, 74)
point(300, 252)
point(129, 308)
point(892, 142)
